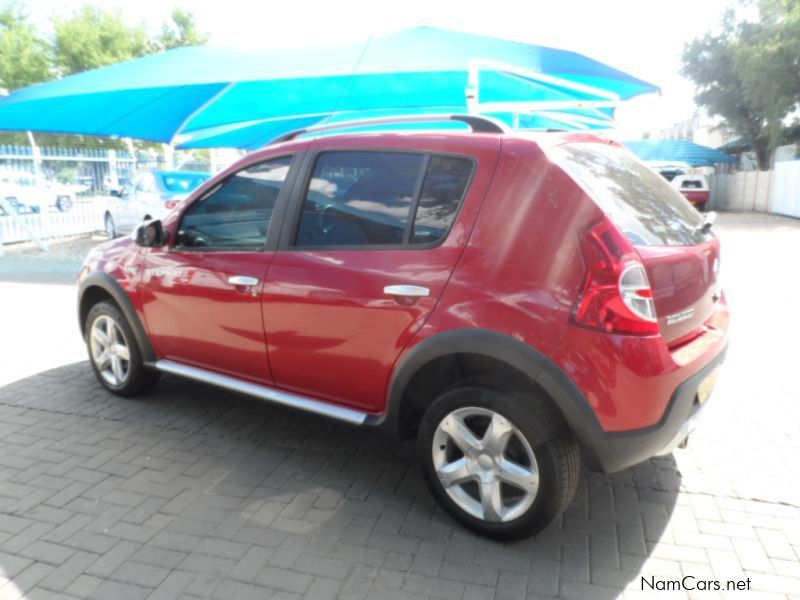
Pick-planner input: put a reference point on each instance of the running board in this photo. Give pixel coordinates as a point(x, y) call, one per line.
point(263, 392)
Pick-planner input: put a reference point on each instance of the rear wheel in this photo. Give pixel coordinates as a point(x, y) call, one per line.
point(501, 464)
point(114, 354)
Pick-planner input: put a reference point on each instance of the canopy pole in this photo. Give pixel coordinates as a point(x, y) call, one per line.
point(37, 154)
point(473, 81)
point(13, 215)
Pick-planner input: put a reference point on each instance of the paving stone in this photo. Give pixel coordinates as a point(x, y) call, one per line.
point(194, 492)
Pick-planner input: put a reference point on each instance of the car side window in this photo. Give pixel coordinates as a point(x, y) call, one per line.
point(381, 198)
point(237, 213)
point(443, 189)
point(359, 199)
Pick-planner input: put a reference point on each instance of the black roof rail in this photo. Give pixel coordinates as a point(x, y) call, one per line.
point(477, 123)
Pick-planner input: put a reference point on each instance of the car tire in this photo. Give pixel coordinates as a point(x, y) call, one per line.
point(511, 437)
point(110, 227)
point(63, 203)
point(114, 354)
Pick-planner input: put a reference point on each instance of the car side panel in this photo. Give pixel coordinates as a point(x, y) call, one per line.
point(332, 332)
point(522, 281)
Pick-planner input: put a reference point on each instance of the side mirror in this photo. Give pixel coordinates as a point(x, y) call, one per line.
point(116, 193)
point(151, 234)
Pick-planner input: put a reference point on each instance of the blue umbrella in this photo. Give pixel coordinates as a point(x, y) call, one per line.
point(208, 96)
point(678, 151)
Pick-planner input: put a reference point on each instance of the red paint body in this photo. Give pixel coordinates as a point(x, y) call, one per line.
point(696, 197)
point(320, 325)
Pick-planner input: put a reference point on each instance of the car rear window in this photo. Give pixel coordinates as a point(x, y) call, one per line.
point(183, 182)
point(640, 202)
point(692, 184)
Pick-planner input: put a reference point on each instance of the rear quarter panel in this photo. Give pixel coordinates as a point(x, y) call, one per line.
point(522, 268)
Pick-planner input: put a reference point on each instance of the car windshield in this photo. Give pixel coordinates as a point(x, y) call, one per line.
point(640, 202)
point(183, 182)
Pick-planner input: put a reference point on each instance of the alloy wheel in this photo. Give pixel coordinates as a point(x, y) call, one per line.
point(110, 351)
point(485, 464)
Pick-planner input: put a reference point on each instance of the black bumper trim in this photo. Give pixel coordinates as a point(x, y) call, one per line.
point(614, 451)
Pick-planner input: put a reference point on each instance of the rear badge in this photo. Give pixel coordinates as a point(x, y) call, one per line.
point(680, 316)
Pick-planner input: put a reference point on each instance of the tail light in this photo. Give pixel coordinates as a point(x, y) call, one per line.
point(170, 204)
point(616, 295)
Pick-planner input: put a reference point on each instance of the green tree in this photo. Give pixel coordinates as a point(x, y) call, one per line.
point(93, 37)
point(24, 55)
point(182, 31)
point(749, 74)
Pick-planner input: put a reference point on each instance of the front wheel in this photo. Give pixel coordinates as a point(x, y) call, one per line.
point(501, 464)
point(115, 356)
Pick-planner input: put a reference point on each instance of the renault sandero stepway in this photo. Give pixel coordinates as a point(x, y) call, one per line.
point(519, 303)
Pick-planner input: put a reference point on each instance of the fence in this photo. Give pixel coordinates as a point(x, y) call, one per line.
point(94, 169)
point(86, 216)
point(776, 191)
point(90, 175)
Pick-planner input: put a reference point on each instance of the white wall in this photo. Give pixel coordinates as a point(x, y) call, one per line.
point(786, 188)
point(776, 191)
point(744, 190)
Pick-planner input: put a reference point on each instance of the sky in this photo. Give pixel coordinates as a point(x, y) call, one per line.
point(641, 37)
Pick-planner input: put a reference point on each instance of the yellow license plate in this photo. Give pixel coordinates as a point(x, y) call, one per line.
point(707, 386)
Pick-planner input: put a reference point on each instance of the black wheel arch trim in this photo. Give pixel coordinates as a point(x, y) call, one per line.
point(113, 288)
point(605, 451)
point(517, 354)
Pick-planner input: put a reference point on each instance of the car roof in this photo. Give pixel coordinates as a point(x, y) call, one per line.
point(543, 139)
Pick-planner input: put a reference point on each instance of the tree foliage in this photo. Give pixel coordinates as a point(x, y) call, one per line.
point(24, 55)
point(89, 38)
point(182, 31)
point(748, 73)
point(93, 37)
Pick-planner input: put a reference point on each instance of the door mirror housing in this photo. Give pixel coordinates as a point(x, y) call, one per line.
point(151, 234)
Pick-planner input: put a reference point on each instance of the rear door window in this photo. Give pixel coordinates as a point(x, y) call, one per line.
point(443, 189)
point(373, 199)
point(639, 201)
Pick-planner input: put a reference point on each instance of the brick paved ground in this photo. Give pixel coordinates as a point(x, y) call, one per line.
point(192, 492)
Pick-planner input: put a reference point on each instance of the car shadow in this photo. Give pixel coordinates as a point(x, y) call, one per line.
point(267, 475)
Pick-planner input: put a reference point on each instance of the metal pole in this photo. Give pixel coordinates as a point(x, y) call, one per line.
point(12, 214)
point(472, 88)
point(37, 155)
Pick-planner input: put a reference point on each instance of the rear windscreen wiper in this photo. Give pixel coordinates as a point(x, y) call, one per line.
point(708, 220)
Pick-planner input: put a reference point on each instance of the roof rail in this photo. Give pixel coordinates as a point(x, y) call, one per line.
point(477, 123)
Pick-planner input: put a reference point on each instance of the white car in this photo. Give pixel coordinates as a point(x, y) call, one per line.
point(27, 193)
point(149, 196)
point(694, 188)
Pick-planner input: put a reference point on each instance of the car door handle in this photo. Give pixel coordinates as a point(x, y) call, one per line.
point(242, 280)
point(408, 291)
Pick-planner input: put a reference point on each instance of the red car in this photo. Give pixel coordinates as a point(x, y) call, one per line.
point(518, 302)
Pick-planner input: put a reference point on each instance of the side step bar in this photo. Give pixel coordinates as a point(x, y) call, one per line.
point(263, 392)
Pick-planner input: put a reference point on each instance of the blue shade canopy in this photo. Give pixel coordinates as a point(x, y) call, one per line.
point(215, 97)
point(678, 151)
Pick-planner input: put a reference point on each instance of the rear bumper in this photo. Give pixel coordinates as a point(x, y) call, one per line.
point(613, 451)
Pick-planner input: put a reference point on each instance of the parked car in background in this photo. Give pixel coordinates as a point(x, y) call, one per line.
point(694, 188)
point(518, 302)
point(669, 170)
point(29, 193)
point(149, 196)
